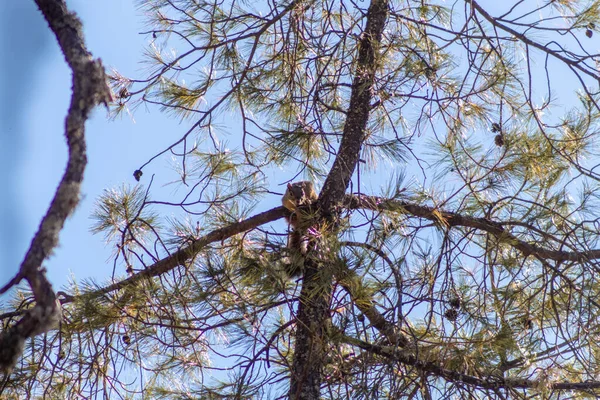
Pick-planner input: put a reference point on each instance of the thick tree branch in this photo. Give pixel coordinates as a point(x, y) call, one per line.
point(89, 89)
point(313, 309)
point(355, 127)
point(311, 336)
point(455, 219)
point(482, 381)
point(182, 256)
point(352, 284)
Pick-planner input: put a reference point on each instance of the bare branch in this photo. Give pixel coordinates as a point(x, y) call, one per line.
point(89, 89)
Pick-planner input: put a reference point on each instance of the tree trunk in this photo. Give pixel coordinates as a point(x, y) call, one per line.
point(313, 312)
point(311, 333)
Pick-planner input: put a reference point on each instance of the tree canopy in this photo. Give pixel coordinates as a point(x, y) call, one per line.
point(453, 249)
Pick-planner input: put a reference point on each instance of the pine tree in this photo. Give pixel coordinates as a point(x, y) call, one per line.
point(453, 249)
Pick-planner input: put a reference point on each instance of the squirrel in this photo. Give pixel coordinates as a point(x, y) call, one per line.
point(298, 194)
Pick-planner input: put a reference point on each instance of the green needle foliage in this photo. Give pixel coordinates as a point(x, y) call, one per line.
point(462, 262)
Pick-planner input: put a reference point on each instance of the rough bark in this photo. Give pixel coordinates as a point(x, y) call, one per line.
point(311, 338)
point(312, 322)
point(355, 127)
point(89, 89)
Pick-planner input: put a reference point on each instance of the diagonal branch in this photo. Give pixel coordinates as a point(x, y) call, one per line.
point(456, 219)
point(182, 256)
point(495, 22)
point(355, 127)
point(89, 89)
point(352, 284)
point(179, 258)
point(485, 381)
